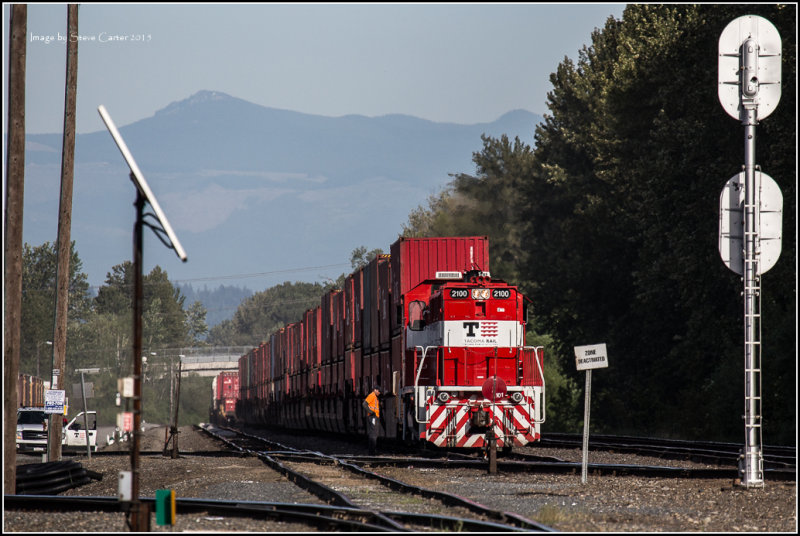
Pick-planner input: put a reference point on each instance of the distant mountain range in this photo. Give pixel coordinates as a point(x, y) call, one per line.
point(256, 195)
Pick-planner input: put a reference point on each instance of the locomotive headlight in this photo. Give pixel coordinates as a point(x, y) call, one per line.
point(481, 293)
point(516, 397)
point(443, 397)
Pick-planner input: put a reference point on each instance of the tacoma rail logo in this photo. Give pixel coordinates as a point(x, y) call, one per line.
point(485, 329)
point(481, 332)
point(472, 333)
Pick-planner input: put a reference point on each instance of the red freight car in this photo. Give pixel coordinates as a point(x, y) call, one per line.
point(225, 388)
point(444, 341)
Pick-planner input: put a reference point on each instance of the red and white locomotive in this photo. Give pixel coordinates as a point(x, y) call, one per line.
point(429, 326)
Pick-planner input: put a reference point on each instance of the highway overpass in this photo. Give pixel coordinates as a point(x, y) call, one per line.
point(204, 361)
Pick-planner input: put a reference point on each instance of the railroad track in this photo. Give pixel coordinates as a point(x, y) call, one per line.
point(358, 499)
point(340, 513)
point(523, 463)
point(297, 465)
point(323, 517)
point(720, 453)
point(779, 464)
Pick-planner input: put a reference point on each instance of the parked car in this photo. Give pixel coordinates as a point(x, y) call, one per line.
point(31, 429)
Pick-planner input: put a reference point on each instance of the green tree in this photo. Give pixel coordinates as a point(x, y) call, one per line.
point(38, 304)
point(361, 257)
point(116, 296)
point(103, 341)
point(264, 312)
point(163, 318)
point(104, 338)
point(630, 165)
point(491, 203)
point(430, 220)
point(195, 400)
point(196, 323)
point(223, 334)
point(193, 397)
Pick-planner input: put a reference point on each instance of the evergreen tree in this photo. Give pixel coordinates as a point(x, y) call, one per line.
point(264, 312)
point(163, 318)
point(39, 267)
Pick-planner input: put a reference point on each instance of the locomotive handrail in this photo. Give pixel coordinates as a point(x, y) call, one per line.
point(541, 375)
point(419, 369)
point(416, 379)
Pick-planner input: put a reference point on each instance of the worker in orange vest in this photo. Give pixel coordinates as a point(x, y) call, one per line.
point(372, 406)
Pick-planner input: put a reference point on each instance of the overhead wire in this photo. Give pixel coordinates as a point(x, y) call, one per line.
point(221, 277)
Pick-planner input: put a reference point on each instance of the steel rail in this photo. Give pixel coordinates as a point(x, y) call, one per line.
point(322, 491)
point(453, 524)
point(325, 517)
point(555, 466)
point(445, 498)
point(510, 521)
point(780, 455)
point(699, 451)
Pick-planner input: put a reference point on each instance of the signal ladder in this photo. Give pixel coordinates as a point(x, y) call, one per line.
point(751, 465)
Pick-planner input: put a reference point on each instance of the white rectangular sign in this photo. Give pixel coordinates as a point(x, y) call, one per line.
point(591, 357)
point(54, 401)
point(125, 386)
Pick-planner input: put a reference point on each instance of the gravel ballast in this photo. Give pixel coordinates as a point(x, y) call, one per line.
point(603, 504)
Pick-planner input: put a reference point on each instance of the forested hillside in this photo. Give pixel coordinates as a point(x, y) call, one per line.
point(264, 312)
point(610, 225)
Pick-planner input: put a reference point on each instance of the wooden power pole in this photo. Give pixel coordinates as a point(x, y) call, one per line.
point(15, 182)
point(64, 225)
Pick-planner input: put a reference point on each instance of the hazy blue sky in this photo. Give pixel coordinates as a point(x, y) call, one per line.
point(460, 63)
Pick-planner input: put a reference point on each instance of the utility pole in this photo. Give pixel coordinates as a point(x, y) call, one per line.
point(174, 430)
point(64, 224)
point(139, 512)
point(15, 182)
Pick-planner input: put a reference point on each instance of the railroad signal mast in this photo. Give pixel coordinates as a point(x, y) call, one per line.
point(751, 203)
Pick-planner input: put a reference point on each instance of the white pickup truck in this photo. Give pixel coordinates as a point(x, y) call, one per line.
point(74, 434)
point(32, 431)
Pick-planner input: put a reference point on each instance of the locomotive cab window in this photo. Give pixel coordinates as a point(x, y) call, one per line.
point(416, 309)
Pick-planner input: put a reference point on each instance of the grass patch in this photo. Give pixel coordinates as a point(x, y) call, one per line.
point(549, 515)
